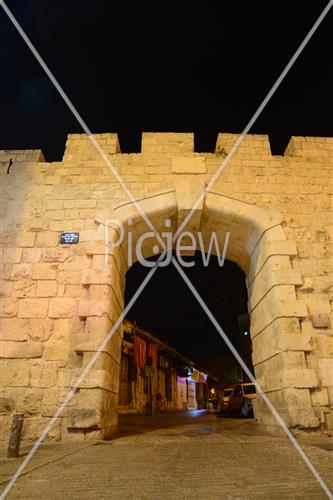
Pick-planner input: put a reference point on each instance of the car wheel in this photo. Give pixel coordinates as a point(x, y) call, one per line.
point(244, 410)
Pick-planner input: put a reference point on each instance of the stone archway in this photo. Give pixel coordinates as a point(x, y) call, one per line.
point(258, 244)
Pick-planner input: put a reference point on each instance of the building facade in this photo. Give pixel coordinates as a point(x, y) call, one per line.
point(159, 380)
point(60, 300)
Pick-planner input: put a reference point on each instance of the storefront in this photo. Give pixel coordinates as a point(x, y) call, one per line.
point(156, 378)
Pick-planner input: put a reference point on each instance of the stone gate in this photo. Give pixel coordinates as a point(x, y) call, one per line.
point(59, 301)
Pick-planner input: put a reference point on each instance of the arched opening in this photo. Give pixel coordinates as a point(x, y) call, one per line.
point(167, 310)
point(258, 245)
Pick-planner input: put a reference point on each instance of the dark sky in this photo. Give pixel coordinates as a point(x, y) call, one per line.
point(201, 66)
point(168, 309)
point(196, 66)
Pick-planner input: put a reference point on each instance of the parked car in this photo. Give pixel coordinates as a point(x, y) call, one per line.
point(241, 399)
point(224, 403)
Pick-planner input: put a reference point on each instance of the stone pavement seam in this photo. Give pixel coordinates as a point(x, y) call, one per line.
point(47, 462)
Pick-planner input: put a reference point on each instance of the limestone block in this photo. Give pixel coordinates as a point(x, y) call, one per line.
point(6, 288)
point(43, 271)
point(88, 398)
point(56, 351)
point(279, 292)
point(269, 372)
point(59, 254)
point(44, 374)
point(47, 239)
point(7, 405)
point(38, 329)
point(189, 165)
point(11, 329)
point(99, 379)
point(87, 235)
point(282, 335)
point(33, 428)
point(69, 277)
point(21, 272)
point(12, 255)
point(303, 418)
point(293, 405)
point(268, 310)
point(75, 291)
point(85, 203)
point(25, 239)
point(46, 288)
point(84, 418)
point(264, 253)
point(33, 308)
point(325, 369)
point(54, 204)
point(22, 289)
point(55, 214)
point(167, 142)
point(66, 375)
point(98, 247)
point(97, 277)
point(307, 286)
point(297, 342)
point(322, 344)
point(92, 339)
point(323, 283)
point(14, 350)
point(94, 308)
point(31, 255)
point(319, 397)
point(50, 396)
point(329, 421)
point(30, 402)
point(15, 373)
point(264, 282)
point(8, 307)
point(63, 307)
point(299, 378)
point(318, 303)
point(75, 263)
point(64, 328)
point(69, 203)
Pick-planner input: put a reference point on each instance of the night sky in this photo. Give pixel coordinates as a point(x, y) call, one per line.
point(196, 66)
point(168, 309)
point(188, 66)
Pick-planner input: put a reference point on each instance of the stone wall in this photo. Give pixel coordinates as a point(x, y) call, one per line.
point(59, 301)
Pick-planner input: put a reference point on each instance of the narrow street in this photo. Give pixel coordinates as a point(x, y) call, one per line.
point(193, 455)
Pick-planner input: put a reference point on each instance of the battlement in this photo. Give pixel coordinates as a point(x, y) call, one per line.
point(33, 155)
point(177, 143)
point(59, 300)
point(310, 147)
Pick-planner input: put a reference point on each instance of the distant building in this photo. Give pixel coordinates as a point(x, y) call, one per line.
point(226, 369)
point(154, 377)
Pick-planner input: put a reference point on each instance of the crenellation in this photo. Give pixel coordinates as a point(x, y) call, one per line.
point(59, 298)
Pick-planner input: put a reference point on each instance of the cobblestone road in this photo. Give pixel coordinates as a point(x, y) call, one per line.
point(198, 456)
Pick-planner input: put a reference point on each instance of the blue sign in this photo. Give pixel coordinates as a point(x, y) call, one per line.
point(69, 238)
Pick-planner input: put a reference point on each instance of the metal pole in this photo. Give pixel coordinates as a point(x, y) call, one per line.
point(15, 435)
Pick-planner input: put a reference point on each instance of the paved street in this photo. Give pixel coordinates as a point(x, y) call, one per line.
point(182, 456)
